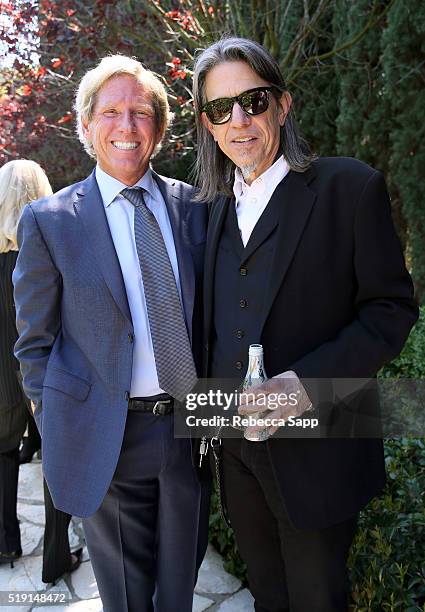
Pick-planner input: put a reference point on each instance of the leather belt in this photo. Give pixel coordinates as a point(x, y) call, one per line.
point(159, 405)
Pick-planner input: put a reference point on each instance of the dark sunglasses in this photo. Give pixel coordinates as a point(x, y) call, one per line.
point(253, 102)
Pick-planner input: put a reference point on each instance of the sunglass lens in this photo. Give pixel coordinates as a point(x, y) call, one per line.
point(219, 110)
point(255, 102)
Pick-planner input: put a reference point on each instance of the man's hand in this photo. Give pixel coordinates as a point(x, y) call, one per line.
point(280, 397)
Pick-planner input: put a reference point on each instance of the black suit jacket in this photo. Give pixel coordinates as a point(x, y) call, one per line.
point(13, 411)
point(339, 304)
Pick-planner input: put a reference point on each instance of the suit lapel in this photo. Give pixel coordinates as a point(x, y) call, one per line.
point(176, 209)
point(89, 208)
point(296, 200)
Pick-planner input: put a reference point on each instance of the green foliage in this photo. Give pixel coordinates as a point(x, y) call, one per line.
point(222, 537)
point(411, 361)
point(403, 44)
point(363, 120)
point(387, 558)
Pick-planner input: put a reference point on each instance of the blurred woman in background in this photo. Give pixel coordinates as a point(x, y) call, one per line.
point(21, 181)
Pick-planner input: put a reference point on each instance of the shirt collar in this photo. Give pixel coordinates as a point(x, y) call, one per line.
point(272, 175)
point(111, 187)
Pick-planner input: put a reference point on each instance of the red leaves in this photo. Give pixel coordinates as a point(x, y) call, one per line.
point(8, 107)
point(176, 73)
point(185, 19)
point(69, 37)
point(26, 90)
point(173, 14)
point(40, 72)
point(67, 117)
point(7, 7)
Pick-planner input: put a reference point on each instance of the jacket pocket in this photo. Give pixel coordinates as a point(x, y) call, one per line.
point(67, 383)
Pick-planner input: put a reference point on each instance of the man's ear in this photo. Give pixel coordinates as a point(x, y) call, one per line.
point(284, 103)
point(159, 137)
point(86, 129)
point(210, 126)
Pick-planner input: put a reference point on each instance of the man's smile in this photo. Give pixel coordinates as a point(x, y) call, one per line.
point(244, 139)
point(124, 146)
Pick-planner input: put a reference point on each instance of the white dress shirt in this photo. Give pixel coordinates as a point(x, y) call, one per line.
point(251, 200)
point(120, 216)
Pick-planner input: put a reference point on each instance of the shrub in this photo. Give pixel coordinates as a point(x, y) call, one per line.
point(387, 559)
point(411, 361)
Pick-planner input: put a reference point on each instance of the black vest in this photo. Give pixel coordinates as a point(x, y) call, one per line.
point(240, 283)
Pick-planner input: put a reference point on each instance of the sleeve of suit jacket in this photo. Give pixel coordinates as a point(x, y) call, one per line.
point(384, 302)
point(37, 299)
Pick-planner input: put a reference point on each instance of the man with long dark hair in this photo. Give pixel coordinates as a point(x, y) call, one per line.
point(303, 258)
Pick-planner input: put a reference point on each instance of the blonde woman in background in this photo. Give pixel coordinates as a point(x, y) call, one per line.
point(21, 181)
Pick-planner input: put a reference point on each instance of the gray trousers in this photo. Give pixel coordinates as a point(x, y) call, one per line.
point(143, 540)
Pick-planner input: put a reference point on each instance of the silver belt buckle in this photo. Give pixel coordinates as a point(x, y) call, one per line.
point(157, 404)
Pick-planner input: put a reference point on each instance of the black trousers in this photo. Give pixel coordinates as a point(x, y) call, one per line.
point(10, 537)
point(289, 569)
point(56, 553)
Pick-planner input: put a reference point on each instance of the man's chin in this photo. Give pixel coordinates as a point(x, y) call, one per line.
point(248, 170)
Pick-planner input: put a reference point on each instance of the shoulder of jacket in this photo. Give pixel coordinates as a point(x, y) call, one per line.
point(343, 167)
point(62, 199)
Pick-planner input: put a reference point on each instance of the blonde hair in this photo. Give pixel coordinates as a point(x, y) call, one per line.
point(21, 181)
point(109, 67)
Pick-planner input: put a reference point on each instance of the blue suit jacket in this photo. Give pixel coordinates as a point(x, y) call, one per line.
point(75, 330)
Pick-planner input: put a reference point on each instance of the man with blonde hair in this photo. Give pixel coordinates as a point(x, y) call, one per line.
point(107, 288)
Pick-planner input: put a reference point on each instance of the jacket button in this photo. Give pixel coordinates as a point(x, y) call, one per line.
point(239, 365)
point(131, 337)
point(243, 303)
point(239, 333)
point(127, 396)
point(243, 271)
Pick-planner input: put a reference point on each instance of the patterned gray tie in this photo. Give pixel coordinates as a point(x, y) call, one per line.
point(173, 354)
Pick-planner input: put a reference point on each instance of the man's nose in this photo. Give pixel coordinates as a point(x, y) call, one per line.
point(239, 116)
point(127, 121)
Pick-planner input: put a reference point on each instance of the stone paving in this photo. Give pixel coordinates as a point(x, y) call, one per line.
point(216, 590)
